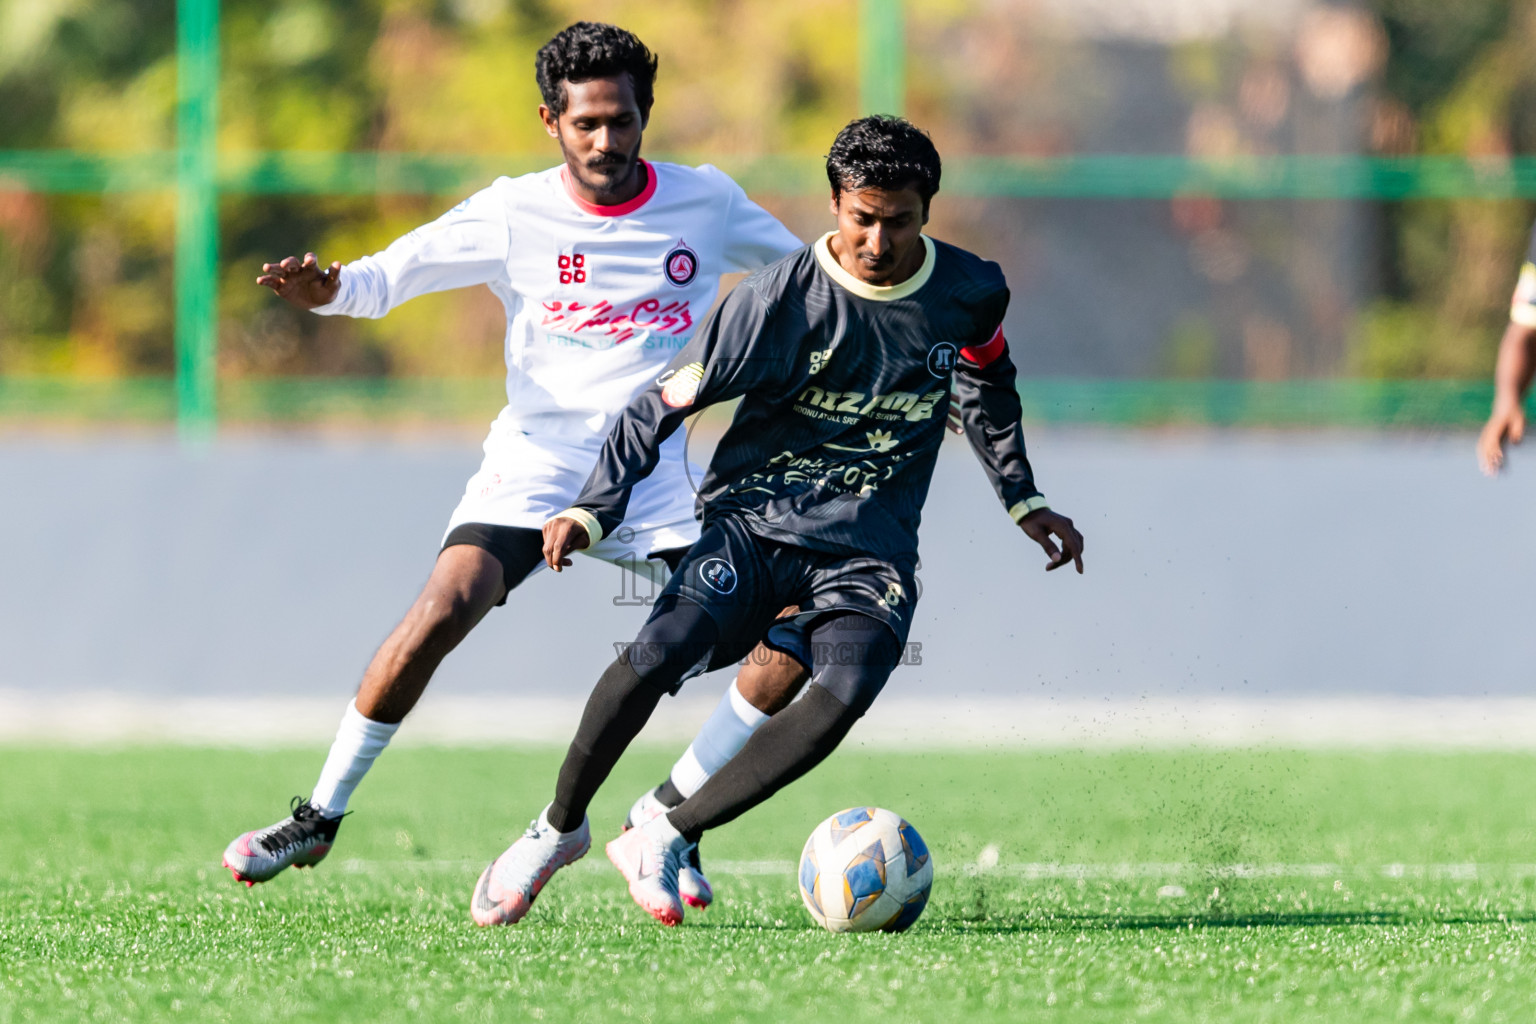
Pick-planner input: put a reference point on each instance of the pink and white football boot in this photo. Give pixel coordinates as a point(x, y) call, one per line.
point(691, 883)
point(300, 840)
point(649, 857)
point(508, 887)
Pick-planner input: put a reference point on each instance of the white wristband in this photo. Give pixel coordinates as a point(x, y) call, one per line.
point(587, 520)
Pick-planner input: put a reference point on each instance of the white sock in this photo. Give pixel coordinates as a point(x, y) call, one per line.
point(732, 723)
point(358, 742)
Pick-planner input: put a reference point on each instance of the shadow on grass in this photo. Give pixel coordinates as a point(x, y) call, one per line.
point(1170, 922)
point(1181, 922)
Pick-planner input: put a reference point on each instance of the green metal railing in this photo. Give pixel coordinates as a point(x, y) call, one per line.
point(466, 401)
point(1065, 177)
point(882, 57)
point(199, 174)
point(197, 215)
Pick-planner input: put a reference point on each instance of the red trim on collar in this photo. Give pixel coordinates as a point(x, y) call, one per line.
point(611, 211)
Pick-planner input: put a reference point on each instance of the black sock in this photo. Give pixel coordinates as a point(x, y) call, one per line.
point(668, 793)
point(618, 709)
point(676, 640)
point(788, 745)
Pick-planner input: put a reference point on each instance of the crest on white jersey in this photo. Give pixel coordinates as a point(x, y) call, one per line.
point(681, 265)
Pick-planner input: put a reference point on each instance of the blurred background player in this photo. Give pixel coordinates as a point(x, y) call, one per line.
point(843, 355)
point(604, 265)
point(1512, 376)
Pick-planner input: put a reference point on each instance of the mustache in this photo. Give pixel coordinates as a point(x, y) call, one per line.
point(607, 163)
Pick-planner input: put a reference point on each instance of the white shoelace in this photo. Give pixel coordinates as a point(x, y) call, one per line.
point(661, 850)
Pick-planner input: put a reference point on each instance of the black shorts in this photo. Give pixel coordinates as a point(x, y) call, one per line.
point(520, 550)
point(739, 578)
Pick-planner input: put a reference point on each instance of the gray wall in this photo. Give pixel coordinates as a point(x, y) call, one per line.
point(1218, 564)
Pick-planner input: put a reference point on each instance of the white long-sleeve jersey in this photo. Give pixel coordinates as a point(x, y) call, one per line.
point(598, 300)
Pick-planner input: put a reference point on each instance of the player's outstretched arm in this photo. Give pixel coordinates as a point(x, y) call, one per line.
point(986, 409)
point(1511, 383)
point(466, 246)
point(302, 283)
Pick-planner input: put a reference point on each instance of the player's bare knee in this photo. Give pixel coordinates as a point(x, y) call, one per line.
point(435, 626)
point(447, 620)
point(770, 683)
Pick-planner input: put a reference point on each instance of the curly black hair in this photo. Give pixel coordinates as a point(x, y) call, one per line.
point(591, 49)
point(883, 152)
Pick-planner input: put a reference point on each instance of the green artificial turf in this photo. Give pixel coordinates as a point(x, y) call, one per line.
point(1337, 887)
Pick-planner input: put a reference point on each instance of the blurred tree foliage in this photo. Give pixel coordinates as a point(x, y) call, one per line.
point(1460, 80)
point(85, 281)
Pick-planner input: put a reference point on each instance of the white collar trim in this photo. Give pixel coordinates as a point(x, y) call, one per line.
point(835, 271)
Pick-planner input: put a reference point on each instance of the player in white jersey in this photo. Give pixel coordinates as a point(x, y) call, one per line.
point(1516, 367)
point(606, 265)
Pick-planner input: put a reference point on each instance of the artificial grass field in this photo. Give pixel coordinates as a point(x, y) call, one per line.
point(1337, 887)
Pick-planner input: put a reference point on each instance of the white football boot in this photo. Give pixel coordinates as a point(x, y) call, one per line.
point(650, 856)
point(691, 883)
point(300, 840)
point(509, 886)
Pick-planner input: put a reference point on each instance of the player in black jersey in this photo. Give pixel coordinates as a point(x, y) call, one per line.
point(843, 355)
point(1512, 377)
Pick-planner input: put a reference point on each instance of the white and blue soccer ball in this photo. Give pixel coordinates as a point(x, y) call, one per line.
point(865, 869)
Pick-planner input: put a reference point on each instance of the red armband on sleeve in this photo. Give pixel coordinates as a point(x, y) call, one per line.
point(981, 355)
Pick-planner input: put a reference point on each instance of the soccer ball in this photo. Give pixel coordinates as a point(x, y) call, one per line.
point(865, 869)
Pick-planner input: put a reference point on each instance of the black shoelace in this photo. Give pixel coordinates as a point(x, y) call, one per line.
point(303, 816)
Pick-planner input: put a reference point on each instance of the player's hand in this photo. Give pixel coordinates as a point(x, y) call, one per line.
point(1042, 525)
point(561, 537)
point(955, 424)
point(1507, 424)
point(302, 283)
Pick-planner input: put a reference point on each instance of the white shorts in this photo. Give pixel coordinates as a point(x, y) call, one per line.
point(523, 482)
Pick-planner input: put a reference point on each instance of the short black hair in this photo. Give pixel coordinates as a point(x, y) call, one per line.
point(883, 152)
point(591, 49)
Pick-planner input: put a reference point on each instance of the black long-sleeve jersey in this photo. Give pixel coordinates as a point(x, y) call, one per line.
point(845, 391)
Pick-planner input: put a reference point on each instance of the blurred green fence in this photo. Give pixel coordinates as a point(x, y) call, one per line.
point(1068, 177)
point(198, 174)
point(1399, 404)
